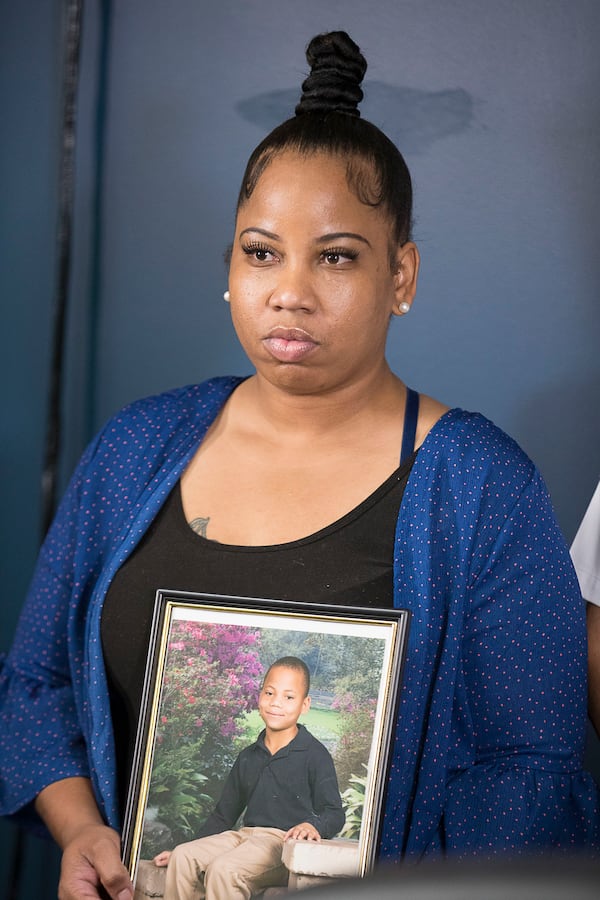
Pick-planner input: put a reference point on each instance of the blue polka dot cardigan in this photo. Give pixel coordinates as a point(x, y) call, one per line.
point(487, 751)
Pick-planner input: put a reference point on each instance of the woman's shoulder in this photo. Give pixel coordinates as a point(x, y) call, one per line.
point(430, 412)
point(458, 430)
point(469, 469)
point(468, 446)
point(155, 428)
point(181, 403)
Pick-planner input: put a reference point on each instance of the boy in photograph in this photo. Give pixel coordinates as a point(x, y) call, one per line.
point(285, 785)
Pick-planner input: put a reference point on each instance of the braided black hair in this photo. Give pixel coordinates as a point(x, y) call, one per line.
point(337, 70)
point(327, 120)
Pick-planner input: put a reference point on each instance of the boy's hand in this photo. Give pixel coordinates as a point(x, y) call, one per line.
point(303, 832)
point(162, 859)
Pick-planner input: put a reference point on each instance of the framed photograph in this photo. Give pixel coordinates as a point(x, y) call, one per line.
point(207, 660)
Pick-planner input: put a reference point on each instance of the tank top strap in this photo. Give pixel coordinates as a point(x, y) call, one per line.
point(411, 415)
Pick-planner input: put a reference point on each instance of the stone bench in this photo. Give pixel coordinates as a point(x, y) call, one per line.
point(310, 865)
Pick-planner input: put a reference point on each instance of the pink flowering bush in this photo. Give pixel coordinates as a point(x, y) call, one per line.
point(211, 681)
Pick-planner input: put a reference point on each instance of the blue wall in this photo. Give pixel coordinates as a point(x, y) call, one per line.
point(30, 108)
point(495, 106)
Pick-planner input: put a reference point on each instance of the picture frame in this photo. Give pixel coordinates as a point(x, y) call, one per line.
point(207, 657)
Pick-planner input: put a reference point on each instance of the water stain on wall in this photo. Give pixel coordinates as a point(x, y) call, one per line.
point(414, 119)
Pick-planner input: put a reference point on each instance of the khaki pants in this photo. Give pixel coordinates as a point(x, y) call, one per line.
point(232, 865)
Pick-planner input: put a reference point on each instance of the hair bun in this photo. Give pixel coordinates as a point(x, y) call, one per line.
point(337, 70)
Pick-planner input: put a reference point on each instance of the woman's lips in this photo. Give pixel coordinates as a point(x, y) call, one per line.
point(289, 344)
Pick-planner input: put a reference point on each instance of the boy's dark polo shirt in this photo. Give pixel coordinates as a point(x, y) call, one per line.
point(296, 784)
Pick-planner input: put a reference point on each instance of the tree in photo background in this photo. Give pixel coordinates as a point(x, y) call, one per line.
point(212, 677)
point(356, 696)
point(355, 702)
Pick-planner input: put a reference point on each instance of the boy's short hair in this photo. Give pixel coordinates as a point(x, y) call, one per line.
point(292, 662)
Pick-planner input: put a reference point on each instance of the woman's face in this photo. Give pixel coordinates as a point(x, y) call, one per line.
point(311, 284)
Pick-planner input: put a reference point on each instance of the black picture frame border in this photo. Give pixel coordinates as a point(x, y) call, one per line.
point(397, 623)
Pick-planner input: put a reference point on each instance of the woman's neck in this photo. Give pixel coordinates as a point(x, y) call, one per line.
point(269, 408)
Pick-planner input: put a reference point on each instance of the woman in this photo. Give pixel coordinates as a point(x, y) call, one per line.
point(320, 476)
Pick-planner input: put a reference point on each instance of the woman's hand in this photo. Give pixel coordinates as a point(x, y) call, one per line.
point(162, 859)
point(90, 860)
point(303, 832)
point(91, 850)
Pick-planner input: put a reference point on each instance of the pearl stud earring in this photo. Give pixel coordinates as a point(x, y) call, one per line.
point(404, 307)
point(226, 296)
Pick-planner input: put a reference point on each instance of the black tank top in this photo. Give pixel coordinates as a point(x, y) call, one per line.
point(349, 562)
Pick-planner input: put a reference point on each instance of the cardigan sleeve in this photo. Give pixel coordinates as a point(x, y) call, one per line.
point(54, 705)
point(41, 739)
point(515, 775)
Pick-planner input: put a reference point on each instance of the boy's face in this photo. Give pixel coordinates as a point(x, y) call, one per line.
point(282, 698)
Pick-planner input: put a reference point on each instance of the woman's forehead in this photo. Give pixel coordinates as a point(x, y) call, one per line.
point(289, 169)
point(315, 184)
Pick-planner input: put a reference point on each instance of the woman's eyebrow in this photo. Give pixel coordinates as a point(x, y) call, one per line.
point(335, 235)
point(323, 239)
point(263, 231)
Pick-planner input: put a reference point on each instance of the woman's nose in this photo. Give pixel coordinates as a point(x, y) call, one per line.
point(293, 291)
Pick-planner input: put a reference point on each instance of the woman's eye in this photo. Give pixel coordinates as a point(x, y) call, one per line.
point(335, 257)
point(259, 253)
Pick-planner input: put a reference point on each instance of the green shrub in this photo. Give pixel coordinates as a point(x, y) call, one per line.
point(353, 799)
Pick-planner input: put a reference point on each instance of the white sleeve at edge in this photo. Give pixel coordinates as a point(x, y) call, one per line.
point(585, 551)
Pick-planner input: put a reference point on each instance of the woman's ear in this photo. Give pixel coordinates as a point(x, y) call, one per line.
point(406, 272)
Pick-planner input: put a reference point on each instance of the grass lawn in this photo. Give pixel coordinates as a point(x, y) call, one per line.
point(322, 723)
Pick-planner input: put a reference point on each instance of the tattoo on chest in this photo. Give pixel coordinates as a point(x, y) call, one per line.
point(199, 525)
